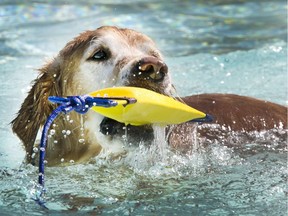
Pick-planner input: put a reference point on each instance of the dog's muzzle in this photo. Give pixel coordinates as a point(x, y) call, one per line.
point(148, 72)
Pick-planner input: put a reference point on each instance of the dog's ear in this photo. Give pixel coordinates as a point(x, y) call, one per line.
point(36, 107)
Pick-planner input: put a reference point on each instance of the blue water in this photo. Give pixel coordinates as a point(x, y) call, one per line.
point(210, 46)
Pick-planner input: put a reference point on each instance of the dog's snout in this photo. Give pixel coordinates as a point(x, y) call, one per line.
point(152, 68)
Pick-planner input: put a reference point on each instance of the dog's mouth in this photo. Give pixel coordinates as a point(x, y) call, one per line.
point(132, 134)
point(149, 73)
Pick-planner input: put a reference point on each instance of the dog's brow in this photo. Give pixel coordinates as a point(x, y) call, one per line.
point(93, 40)
point(95, 44)
point(105, 42)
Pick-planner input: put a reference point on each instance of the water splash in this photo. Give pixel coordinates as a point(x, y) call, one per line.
point(147, 156)
point(158, 159)
point(160, 145)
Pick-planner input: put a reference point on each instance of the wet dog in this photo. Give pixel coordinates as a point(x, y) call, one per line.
point(111, 56)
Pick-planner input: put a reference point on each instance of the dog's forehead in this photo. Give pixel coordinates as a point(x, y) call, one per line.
point(131, 37)
point(121, 39)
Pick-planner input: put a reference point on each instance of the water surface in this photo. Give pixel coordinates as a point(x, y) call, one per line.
point(217, 46)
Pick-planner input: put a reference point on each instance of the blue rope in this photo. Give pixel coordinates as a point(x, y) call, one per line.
point(80, 104)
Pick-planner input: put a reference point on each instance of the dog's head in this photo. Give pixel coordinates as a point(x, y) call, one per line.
point(106, 57)
point(111, 56)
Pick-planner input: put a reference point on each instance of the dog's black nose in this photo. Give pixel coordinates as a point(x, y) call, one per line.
point(151, 68)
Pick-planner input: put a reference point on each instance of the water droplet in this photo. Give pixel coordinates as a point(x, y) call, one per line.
point(228, 74)
point(72, 161)
point(54, 75)
point(94, 103)
point(63, 131)
point(81, 140)
point(281, 125)
point(71, 121)
point(35, 149)
point(42, 149)
point(68, 132)
point(62, 160)
point(55, 141)
point(45, 161)
point(52, 132)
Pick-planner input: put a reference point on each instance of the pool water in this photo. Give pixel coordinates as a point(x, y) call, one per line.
point(222, 46)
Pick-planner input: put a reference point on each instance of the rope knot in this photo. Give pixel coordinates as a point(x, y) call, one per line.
point(79, 103)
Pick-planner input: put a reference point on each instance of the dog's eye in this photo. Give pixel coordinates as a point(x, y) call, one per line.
point(100, 55)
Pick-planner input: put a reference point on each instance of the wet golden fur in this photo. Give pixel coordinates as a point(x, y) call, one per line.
point(72, 72)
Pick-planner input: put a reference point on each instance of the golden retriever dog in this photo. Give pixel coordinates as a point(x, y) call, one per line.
point(111, 56)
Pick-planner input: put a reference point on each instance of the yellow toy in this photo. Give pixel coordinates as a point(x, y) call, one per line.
point(148, 108)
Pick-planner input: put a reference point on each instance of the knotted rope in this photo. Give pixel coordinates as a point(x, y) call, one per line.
point(80, 104)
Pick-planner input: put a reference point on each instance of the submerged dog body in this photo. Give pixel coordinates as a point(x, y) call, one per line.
point(107, 57)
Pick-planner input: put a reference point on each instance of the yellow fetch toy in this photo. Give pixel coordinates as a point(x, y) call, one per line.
point(146, 107)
